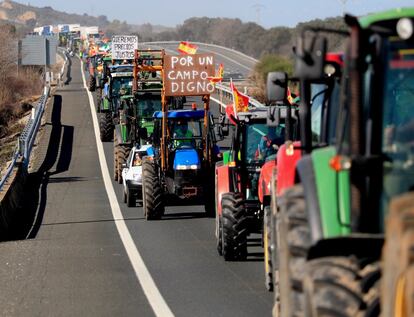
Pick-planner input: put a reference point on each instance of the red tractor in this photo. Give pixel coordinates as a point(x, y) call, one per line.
point(239, 211)
point(315, 131)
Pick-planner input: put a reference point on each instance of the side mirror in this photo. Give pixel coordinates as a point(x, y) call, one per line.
point(276, 86)
point(310, 58)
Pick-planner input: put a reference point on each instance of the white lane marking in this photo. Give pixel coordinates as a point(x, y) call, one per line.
point(155, 299)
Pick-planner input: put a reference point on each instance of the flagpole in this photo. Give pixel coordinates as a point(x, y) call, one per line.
point(234, 98)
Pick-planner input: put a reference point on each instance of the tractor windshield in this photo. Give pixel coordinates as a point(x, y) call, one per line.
point(398, 118)
point(186, 132)
point(148, 105)
point(121, 86)
point(262, 142)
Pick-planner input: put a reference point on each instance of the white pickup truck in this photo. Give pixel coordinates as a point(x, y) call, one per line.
point(132, 174)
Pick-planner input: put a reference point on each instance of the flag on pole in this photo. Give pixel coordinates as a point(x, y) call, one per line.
point(219, 75)
point(240, 101)
point(187, 48)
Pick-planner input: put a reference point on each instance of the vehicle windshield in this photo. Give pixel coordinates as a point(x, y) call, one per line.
point(262, 141)
point(398, 118)
point(138, 155)
point(318, 92)
point(121, 86)
point(148, 105)
point(186, 131)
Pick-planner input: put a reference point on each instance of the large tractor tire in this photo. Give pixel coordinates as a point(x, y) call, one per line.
point(293, 248)
point(267, 244)
point(234, 223)
point(92, 83)
point(219, 241)
point(341, 286)
point(397, 294)
point(152, 195)
point(122, 155)
point(106, 127)
point(116, 175)
point(98, 99)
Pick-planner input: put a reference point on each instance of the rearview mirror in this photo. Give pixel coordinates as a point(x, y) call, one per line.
point(277, 86)
point(310, 57)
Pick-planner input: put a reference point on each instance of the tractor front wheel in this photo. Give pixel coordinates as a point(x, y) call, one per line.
point(234, 227)
point(341, 286)
point(152, 195)
point(106, 126)
point(123, 152)
point(267, 244)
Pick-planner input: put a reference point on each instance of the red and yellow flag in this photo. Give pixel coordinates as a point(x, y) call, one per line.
point(219, 75)
point(187, 48)
point(240, 101)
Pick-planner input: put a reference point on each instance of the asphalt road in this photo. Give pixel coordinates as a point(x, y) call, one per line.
point(73, 261)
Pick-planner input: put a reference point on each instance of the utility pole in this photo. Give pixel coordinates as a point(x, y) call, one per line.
point(343, 6)
point(258, 7)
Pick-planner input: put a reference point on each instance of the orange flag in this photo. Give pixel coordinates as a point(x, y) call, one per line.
point(240, 101)
point(187, 48)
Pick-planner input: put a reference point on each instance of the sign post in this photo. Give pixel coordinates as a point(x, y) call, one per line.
point(124, 46)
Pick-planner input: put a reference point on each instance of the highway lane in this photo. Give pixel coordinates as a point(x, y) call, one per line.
point(74, 262)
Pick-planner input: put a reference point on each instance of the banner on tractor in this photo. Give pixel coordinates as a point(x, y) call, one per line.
point(187, 75)
point(124, 46)
point(240, 101)
point(187, 48)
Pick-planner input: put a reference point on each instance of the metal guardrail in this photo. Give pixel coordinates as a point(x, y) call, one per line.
point(226, 91)
point(28, 136)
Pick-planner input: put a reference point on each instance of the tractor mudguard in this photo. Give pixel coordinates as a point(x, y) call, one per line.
point(222, 175)
point(333, 192)
point(264, 181)
point(286, 172)
point(307, 178)
point(105, 105)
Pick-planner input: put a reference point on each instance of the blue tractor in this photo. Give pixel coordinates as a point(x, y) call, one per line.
point(185, 153)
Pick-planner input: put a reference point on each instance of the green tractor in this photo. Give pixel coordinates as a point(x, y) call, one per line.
point(136, 106)
point(331, 223)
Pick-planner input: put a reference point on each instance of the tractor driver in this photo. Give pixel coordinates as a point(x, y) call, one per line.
point(181, 131)
point(270, 143)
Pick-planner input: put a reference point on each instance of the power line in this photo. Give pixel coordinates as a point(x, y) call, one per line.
point(258, 7)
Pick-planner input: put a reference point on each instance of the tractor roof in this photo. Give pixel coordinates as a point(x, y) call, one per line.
point(180, 114)
point(394, 14)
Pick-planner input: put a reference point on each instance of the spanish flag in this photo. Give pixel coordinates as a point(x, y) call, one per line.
point(240, 101)
point(219, 75)
point(187, 48)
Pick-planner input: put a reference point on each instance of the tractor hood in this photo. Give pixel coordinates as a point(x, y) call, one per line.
point(186, 159)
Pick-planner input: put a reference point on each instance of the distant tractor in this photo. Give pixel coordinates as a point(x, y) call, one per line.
point(239, 209)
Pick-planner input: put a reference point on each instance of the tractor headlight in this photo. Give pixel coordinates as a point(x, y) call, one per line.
point(187, 167)
point(405, 28)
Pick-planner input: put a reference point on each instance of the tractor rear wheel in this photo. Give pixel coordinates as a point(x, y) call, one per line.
point(293, 248)
point(123, 152)
point(267, 249)
point(152, 195)
point(106, 127)
point(234, 227)
point(92, 83)
point(341, 286)
point(219, 224)
point(397, 296)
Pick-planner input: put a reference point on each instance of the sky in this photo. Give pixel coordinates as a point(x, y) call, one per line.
point(269, 13)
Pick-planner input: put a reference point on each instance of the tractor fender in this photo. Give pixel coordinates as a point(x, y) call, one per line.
point(264, 182)
point(286, 171)
point(357, 244)
point(307, 178)
point(222, 179)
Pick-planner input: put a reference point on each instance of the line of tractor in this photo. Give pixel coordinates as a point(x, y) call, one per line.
point(324, 172)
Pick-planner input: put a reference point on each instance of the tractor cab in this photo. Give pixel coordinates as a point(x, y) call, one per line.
point(185, 170)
